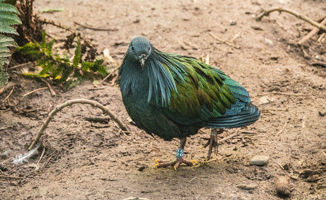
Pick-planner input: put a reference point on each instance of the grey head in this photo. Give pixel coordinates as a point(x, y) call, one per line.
point(139, 50)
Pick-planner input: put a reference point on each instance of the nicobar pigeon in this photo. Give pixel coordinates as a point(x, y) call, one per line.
point(173, 96)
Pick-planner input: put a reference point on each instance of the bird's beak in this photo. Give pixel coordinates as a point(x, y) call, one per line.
point(142, 60)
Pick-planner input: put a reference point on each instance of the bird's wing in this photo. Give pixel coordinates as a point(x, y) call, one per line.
point(202, 92)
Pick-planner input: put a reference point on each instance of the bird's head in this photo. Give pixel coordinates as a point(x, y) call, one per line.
point(139, 50)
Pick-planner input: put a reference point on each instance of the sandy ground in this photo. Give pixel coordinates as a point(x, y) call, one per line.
point(84, 160)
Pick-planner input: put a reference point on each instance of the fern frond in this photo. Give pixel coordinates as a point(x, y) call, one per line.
point(77, 54)
point(4, 54)
point(49, 47)
point(9, 18)
point(7, 41)
point(8, 8)
point(3, 61)
point(4, 49)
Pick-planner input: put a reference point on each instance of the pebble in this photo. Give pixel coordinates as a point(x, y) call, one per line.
point(247, 186)
point(268, 42)
point(232, 22)
point(259, 160)
point(295, 177)
point(283, 186)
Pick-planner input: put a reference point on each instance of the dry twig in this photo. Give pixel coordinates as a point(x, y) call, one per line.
point(229, 137)
point(281, 166)
point(225, 42)
point(9, 94)
point(115, 69)
point(299, 16)
point(322, 64)
point(41, 156)
point(282, 128)
point(283, 93)
point(77, 101)
point(98, 119)
point(321, 37)
point(45, 21)
point(12, 177)
point(311, 33)
point(8, 86)
point(50, 88)
point(34, 91)
point(96, 29)
point(235, 37)
point(20, 65)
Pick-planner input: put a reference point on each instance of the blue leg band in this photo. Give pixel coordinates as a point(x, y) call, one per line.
point(179, 153)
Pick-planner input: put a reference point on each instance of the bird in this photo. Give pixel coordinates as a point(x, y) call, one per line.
point(173, 96)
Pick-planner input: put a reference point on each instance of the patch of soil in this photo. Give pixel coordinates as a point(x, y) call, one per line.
point(88, 160)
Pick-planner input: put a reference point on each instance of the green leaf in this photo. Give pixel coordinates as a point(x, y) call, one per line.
point(4, 49)
point(86, 66)
point(30, 49)
point(3, 61)
point(43, 43)
point(8, 8)
point(102, 70)
point(8, 44)
point(57, 71)
point(8, 29)
point(66, 73)
point(51, 10)
point(4, 16)
point(3, 78)
point(4, 54)
point(77, 56)
point(49, 47)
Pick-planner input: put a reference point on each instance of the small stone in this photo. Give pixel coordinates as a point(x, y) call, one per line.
point(295, 177)
point(232, 22)
point(141, 168)
point(259, 160)
point(251, 186)
point(268, 42)
point(265, 100)
point(283, 186)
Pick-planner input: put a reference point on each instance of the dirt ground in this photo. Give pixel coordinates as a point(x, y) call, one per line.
point(84, 160)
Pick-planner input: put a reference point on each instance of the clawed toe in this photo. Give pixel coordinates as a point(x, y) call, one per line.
point(175, 164)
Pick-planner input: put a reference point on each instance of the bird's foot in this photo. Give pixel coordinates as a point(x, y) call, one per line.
point(175, 164)
point(212, 143)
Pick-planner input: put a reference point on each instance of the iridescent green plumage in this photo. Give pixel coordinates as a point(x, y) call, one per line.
point(173, 96)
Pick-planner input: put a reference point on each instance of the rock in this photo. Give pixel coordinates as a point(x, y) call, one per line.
point(283, 186)
point(265, 100)
point(259, 160)
point(251, 186)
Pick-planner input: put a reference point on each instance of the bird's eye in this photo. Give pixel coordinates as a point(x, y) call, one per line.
point(132, 48)
point(149, 48)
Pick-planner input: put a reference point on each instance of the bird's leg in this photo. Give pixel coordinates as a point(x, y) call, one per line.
point(179, 160)
point(212, 142)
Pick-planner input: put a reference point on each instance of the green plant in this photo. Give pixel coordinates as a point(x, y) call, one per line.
point(8, 17)
point(70, 73)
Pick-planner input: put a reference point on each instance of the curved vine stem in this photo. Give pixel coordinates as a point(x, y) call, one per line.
point(305, 18)
point(76, 101)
